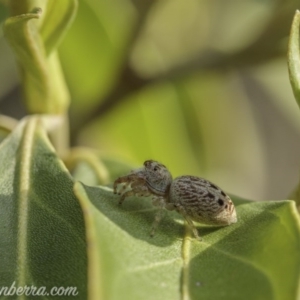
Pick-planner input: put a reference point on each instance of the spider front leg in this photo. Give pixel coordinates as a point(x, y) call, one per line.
point(138, 188)
point(124, 179)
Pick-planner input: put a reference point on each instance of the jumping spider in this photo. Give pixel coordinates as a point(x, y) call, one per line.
point(196, 199)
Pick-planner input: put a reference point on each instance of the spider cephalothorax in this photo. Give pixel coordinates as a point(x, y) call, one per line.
point(158, 178)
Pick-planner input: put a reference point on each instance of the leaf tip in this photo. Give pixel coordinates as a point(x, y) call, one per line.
point(37, 11)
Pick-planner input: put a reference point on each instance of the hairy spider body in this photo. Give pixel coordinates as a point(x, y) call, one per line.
point(196, 199)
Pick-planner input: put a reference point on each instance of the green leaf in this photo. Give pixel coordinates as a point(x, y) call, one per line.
point(256, 258)
point(59, 16)
point(33, 39)
point(42, 238)
point(294, 57)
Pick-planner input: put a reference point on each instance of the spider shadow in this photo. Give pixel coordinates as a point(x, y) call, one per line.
point(136, 216)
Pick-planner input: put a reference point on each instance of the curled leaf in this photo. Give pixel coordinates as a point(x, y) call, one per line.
point(294, 57)
point(34, 37)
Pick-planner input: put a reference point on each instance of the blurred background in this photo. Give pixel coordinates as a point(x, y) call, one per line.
point(199, 85)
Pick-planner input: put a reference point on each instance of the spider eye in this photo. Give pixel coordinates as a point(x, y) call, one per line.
point(155, 169)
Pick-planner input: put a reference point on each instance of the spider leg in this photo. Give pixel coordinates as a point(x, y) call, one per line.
point(131, 179)
point(189, 221)
point(160, 202)
point(170, 206)
point(126, 194)
point(133, 193)
point(138, 188)
point(123, 179)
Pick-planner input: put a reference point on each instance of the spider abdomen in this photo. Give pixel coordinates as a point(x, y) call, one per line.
point(201, 201)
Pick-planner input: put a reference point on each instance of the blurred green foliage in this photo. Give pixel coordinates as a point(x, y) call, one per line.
point(200, 85)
